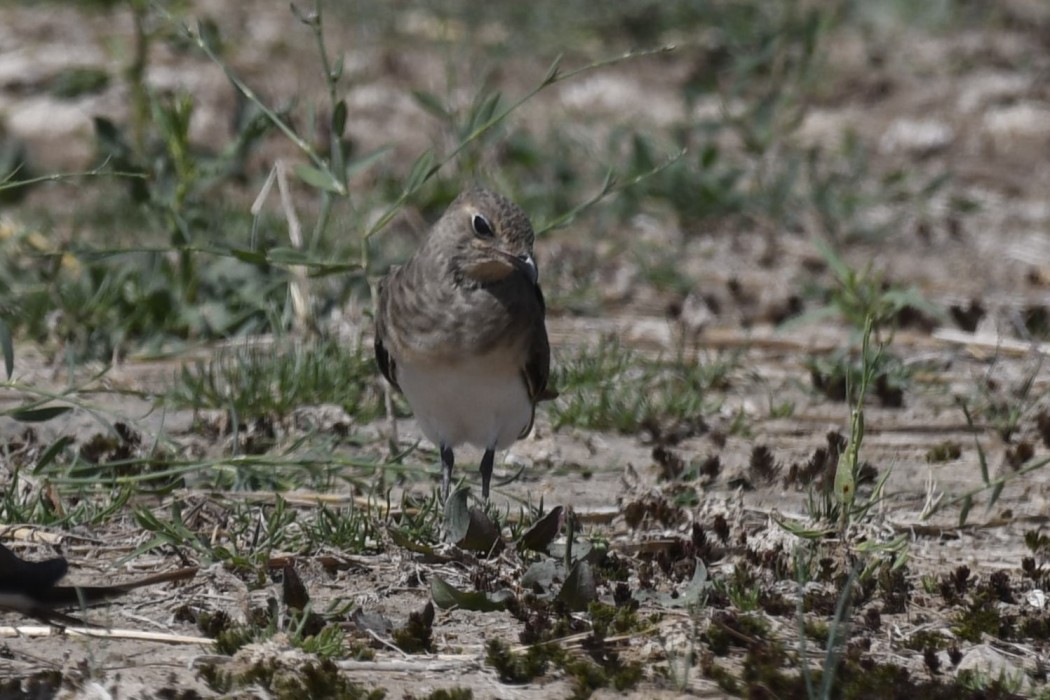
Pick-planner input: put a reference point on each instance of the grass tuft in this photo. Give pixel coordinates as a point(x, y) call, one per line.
point(272, 381)
point(608, 387)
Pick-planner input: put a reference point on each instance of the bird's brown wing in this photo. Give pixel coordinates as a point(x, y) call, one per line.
point(536, 372)
point(383, 358)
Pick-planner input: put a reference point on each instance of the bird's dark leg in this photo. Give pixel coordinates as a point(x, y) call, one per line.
point(448, 461)
point(486, 472)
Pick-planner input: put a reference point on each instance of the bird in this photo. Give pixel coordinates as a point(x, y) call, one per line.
point(31, 588)
point(460, 330)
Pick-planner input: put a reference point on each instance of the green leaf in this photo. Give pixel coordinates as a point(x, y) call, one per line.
point(8, 348)
point(39, 415)
point(484, 111)
point(538, 537)
point(317, 179)
point(579, 590)
point(696, 591)
point(339, 119)
point(430, 103)
point(364, 162)
point(422, 169)
point(982, 461)
point(469, 528)
point(897, 544)
point(841, 270)
point(581, 551)
point(51, 452)
point(457, 516)
point(540, 576)
point(845, 486)
point(404, 541)
point(446, 596)
point(997, 490)
point(799, 530)
point(482, 534)
point(254, 257)
point(964, 511)
point(552, 72)
point(283, 255)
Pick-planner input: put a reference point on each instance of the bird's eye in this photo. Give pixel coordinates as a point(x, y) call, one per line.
point(482, 227)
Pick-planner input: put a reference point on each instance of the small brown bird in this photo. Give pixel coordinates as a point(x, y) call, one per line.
point(460, 330)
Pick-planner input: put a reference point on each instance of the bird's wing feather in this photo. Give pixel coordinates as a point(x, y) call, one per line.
point(383, 358)
point(536, 372)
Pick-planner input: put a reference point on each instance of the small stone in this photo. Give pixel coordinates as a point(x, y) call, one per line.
point(916, 136)
point(987, 661)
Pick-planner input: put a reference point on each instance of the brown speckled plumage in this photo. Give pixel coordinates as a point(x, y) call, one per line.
point(465, 296)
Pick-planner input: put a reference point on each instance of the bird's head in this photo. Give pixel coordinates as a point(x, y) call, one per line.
point(491, 236)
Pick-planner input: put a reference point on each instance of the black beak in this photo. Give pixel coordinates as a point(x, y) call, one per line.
point(530, 268)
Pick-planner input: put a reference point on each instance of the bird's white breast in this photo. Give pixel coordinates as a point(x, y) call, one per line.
point(482, 401)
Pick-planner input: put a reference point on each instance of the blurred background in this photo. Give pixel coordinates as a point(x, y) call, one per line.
point(909, 138)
